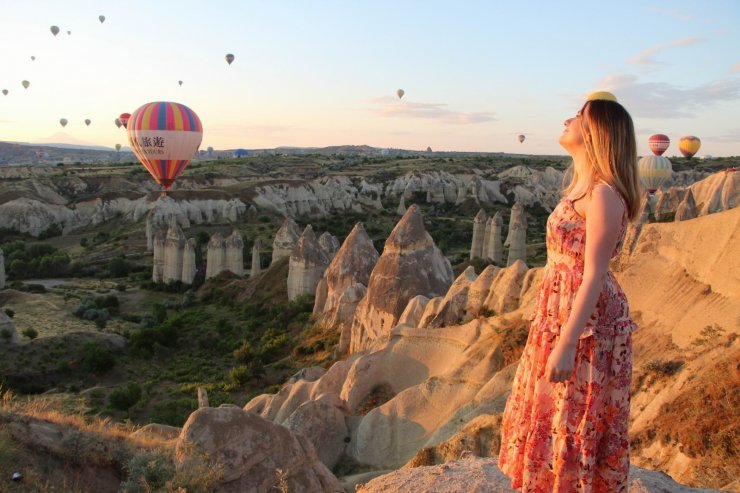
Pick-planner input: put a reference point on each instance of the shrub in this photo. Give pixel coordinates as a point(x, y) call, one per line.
point(10, 313)
point(5, 334)
point(31, 333)
point(123, 398)
point(97, 359)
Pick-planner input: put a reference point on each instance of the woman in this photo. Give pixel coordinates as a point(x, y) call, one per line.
point(565, 424)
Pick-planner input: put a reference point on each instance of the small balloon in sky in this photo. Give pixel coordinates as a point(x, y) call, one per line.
point(179, 82)
point(118, 147)
point(521, 138)
point(118, 123)
point(123, 117)
point(601, 95)
point(229, 58)
point(5, 92)
point(33, 58)
point(689, 145)
point(54, 30)
point(25, 84)
point(658, 143)
point(101, 18)
point(88, 121)
point(63, 122)
point(400, 93)
point(69, 32)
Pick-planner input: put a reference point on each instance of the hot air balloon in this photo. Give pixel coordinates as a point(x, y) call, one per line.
point(33, 58)
point(179, 82)
point(229, 58)
point(164, 136)
point(63, 122)
point(101, 18)
point(69, 33)
point(400, 93)
point(54, 30)
point(123, 117)
point(653, 171)
point(601, 95)
point(658, 143)
point(689, 145)
point(240, 153)
point(5, 92)
point(88, 121)
point(118, 147)
point(25, 84)
point(210, 150)
point(521, 138)
point(118, 123)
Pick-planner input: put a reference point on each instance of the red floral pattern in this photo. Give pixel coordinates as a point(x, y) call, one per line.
point(571, 436)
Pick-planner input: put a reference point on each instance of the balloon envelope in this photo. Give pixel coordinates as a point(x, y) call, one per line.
point(123, 117)
point(54, 30)
point(25, 84)
point(179, 82)
point(5, 92)
point(229, 58)
point(164, 136)
point(658, 143)
point(601, 95)
point(689, 145)
point(118, 147)
point(101, 18)
point(63, 122)
point(118, 123)
point(521, 138)
point(88, 121)
point(400, 93)
point(33, 58)
point(653, 171)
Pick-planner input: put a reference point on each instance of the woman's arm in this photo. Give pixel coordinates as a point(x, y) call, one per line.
point(603, 221)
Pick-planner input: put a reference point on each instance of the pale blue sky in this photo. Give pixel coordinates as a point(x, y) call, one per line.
point(317, 73)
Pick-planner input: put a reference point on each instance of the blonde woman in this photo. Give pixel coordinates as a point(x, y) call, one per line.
point(564, 428)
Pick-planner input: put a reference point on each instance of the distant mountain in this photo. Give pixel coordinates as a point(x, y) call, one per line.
point(66, 141)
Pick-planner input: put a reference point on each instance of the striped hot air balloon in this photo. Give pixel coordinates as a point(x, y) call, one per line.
point(689, 145)
point(658, 143)
point(123, 118)
point(653, 171)
point(164, 136)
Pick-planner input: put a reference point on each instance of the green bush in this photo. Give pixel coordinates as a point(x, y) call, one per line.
point(31, 333)
point(10, 313)
point(97, 359)
point(123, 398)
point(146, 472)
point(5, 335)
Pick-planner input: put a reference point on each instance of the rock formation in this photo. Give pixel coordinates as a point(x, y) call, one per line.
point(495, 251)
point(479, 289)
point(2, 269)
point(717, 192)
point(174, 247)
point(251, 452)
point(345, 283)
point(452, 309)
point(256, 266)
point(188, 262)
point(401, 210)
point(505, 291)
point(329, 243)
point(479, 230)
point(487, 238)
point(662, 205)
point(285, 239)
point(234, 253)
point(158, 256)
point(215, 261)
point(8, 327)
point(687, 208)
point(411, 265)
point(517, 237)
point(307, 265)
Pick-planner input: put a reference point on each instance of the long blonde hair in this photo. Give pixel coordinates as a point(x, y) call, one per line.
point(611, 151)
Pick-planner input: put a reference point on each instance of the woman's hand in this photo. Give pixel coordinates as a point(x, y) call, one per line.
point(560, 364)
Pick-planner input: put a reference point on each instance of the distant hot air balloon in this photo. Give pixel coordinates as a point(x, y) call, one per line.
point(210, 150)
point(33, 58)
point(63, 122)
point(601, 95)
point(400, 93)
point(521, 138)
point(88, 121)
point(658, 143)
point(54, 30)
point(164, 136)
point(123, 117)
point(118, 123)
point(25, 84)
point(69, 33)
point(118, 147)
point(653, 171)
point(101, 18)
point(5, 92)
point(689, 145)
point(179, 82)
point(229, 58)
point(240, 153)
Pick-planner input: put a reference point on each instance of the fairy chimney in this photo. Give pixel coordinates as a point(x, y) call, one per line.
point(2, 269)
point(256, 267)
point(285, 239)
point(234, 253)
point(215, 261)
point(517, 237)
point(487, 238)
point(687, 208)
point(401, 210)
point(174, 246)
point(188, 262)
point(158, 253)
point(329, 243)
point(479, 229)
point(495, 247)
point(307, 265)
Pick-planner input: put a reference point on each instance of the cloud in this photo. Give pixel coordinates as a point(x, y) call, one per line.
point(674, 13)
point(387, 107)
point(666, 100)
point(647, 56)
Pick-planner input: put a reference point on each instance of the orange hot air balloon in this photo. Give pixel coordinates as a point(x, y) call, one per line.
point(658, 143)
point(229, 58)
point(521, 138)
point(689, 145)
point(164, 136)
point(123, 117)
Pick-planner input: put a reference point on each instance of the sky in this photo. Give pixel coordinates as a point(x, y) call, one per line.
point(315, 73)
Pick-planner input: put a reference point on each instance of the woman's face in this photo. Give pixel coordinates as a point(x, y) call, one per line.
point(572, 136)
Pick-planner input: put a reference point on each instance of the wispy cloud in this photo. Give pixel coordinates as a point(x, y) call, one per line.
point(647, 57)
point(674, 13)
point(390, 108)
point(666, 100)
point(735, 69)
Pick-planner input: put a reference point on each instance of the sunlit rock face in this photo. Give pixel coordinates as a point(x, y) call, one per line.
point(307, 265)
point(410, 265)
point(285, 239)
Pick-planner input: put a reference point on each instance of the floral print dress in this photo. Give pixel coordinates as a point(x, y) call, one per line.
point(571, 436)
